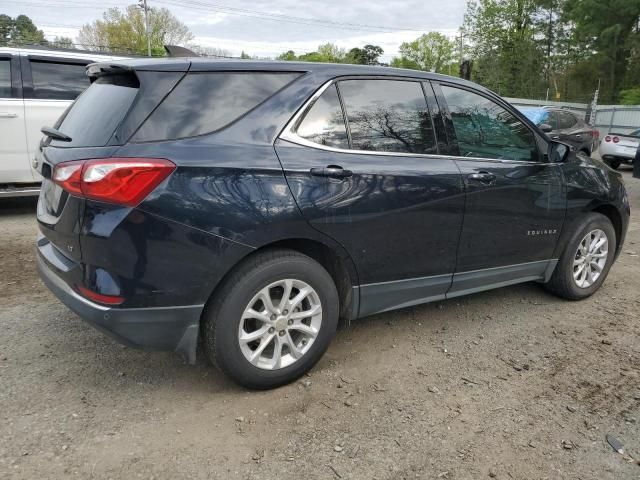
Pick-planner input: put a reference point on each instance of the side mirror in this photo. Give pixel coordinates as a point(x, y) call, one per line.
point(545, 127)
point(558, 152)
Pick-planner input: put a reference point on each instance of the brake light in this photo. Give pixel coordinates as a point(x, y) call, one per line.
point(123, 181)
point(99, 297)
point(616, 139)
point(607, 139)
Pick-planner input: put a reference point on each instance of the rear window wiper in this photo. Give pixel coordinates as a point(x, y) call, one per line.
point(55, 134)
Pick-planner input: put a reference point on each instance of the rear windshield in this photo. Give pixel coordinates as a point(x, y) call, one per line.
point(94, 116)
point(206, 102)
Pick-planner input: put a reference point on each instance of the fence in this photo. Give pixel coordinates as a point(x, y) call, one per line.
point(607, 118)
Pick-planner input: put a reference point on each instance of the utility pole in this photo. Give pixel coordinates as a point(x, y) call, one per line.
point(143, 5)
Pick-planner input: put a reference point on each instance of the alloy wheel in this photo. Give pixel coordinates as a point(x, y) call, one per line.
point(590, 258)
point(280, 324)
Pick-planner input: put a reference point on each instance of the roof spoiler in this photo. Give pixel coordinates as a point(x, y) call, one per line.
point(176, 51)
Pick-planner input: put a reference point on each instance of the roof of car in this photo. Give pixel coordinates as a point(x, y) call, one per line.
point(210, 64)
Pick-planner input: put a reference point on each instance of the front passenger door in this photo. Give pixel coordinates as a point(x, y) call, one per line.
point(515, 202)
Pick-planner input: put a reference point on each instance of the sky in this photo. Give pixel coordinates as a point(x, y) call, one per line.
point(266, 28)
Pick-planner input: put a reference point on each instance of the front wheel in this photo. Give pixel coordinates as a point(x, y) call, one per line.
point(586, 260)
point(272, 320)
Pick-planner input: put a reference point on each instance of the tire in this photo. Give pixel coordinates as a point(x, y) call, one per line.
point(562, 282)
point(615, 163)
point(269, 272)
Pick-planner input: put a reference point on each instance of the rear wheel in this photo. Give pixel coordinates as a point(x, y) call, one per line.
point(272, 320)
point(586, 260)
point(613, 163)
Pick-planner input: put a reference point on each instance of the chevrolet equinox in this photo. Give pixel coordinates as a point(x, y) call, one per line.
point(251, 205)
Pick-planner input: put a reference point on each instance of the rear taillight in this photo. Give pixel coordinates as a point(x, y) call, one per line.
point(616, 139)
point(123, 181)
point(607, 139)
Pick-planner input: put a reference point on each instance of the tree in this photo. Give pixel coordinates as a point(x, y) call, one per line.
point(19, 31)
point(507, 55)
point(610, 30)
point(367, 55)
point(289, 55)
point(630, 96)
point(62, 42)
point(125, 31)
point(431, 52)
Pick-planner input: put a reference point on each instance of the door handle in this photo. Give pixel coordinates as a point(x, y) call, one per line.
point(555, 137)
point(332, 171)
point(8, 115)
point(578, 136)
point(484, 177)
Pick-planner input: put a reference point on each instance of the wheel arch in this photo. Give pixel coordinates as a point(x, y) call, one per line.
point(333, 258)
point(615, 218)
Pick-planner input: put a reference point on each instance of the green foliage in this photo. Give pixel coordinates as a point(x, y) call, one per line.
point(524, 47)
point(62, 42)
point(289, 56)
point(331, 53)
point(367, 55)
point(19, 31)
point(630, 96)
point(124, 31)
point(432, 52)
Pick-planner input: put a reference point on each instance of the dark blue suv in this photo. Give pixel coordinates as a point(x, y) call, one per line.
point(250, 205)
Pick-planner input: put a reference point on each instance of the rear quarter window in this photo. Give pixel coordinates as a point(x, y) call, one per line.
point(205, 102)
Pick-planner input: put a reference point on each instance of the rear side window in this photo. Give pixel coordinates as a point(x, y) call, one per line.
point(566, 120)
point(5, 78)
point(96, 113)
point(388, 116)
point(205, 102)
point(324, 124)
point(58, 81)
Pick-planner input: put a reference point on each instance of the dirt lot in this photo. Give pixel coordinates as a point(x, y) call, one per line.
point(510, 384)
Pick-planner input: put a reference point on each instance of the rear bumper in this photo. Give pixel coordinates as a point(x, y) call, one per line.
point(154, 328)
point(611, 152)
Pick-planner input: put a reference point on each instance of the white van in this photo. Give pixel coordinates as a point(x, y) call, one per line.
point(36, 87)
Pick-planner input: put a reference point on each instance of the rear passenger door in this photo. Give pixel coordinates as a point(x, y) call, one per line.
point(50, 86)
point(363, 164)
point(515, 200)
point(14, 161)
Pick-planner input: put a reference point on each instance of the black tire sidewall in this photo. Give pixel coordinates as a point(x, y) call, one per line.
point(592, 222)
point(226, 348)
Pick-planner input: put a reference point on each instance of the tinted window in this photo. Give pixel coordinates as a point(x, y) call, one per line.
point(486, 130)
point(5, 78)
point(324, 123)
point(58, 81)
point(566, 120)
point(206, 102)
point(96, 113)
point(388, 116)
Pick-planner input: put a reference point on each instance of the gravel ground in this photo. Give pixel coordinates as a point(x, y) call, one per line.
point(509, 384)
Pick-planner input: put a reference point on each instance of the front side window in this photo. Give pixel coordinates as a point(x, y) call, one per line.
point(486, 130)
point(58, 81)
point(5, 78)
point(324, 123)
point(388, 116)
point(205, 102)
